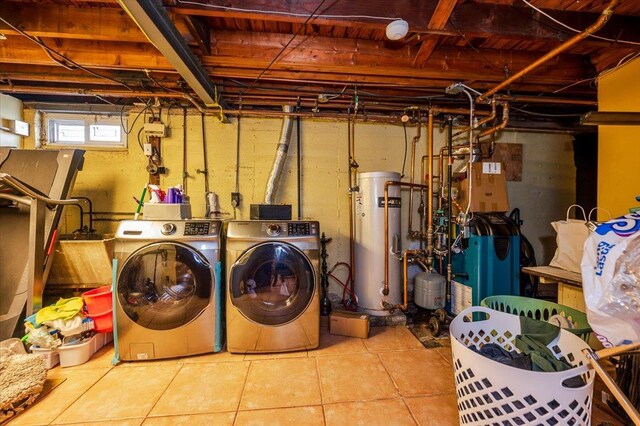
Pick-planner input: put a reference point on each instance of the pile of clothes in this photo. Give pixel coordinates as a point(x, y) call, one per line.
point(533, 353)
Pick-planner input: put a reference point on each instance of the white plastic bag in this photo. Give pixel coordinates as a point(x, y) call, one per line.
point(571, 235)
point(611, 280)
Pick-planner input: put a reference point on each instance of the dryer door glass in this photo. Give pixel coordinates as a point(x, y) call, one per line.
point(272, 283)
point(164, 285)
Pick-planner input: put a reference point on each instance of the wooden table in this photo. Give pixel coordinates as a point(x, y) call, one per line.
point(569, 284)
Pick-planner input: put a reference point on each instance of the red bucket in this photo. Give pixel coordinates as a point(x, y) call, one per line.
point(99, 307)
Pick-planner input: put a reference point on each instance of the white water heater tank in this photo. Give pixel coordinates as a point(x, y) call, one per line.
point(370, 249)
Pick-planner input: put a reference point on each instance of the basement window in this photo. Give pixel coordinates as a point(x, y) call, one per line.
point(85, 130)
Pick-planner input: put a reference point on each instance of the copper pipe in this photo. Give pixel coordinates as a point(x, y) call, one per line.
point(415, 140)
point(387, 184)
point(416, 254)
point(502, 125)
point(430, 191)
point(481, 122)
point(602, 19)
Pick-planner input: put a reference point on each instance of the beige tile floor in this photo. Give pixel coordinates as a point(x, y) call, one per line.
point(347, 381)
point(388, 379)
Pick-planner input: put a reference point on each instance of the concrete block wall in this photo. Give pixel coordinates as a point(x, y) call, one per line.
point(112, 178)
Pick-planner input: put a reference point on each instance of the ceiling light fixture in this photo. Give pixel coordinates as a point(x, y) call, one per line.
point(397, 29)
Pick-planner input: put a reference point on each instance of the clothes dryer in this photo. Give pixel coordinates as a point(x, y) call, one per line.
point(273, 295)
point(169, 291)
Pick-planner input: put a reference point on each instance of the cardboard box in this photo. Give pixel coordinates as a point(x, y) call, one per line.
point(352, 324)
point(489, 188)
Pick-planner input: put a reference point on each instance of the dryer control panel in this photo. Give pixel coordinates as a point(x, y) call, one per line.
point(296, 229)
point(197, 228)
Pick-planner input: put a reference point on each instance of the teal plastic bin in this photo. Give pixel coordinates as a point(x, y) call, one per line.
point(540, 310)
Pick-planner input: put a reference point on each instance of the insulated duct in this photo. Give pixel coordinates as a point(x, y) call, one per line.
point(281, 156)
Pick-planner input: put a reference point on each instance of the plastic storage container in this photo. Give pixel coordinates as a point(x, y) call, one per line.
point(51, 356)
point(489, 392)
point(540, 310)
point(100, 308)
point(79, 354)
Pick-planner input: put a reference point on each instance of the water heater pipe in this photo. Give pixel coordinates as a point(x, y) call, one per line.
point(281, 156)
point(411, 234)
point(429, 183)
point(602, 19)
point(387, 184)
point(415, 255)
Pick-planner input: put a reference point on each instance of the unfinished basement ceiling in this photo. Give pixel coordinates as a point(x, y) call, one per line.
point(337, 52)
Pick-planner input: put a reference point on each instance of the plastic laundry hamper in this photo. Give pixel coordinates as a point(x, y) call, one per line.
point(540, 310)
point(491, 393)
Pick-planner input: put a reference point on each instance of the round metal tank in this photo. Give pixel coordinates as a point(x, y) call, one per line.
point(429, 290)
point(369, 242)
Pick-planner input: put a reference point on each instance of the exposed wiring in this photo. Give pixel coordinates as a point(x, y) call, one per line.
point(475, 49)
point(283, 48)
point(543, 13)
point(67, 60)
point(276, 12)
point(352, 303)
point(124, 128)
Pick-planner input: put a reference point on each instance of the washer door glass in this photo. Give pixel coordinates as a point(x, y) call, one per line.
point(164, 285)
point(272, 283)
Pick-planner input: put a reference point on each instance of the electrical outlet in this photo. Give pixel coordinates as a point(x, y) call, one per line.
point(235, 199)
point(148, 149)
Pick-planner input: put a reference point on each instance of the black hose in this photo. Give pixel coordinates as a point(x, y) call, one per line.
point(81, 217)
point(88, 200)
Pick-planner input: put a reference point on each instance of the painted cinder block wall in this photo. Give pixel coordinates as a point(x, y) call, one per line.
point(112, 178)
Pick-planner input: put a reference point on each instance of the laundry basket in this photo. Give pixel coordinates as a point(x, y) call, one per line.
point(99, 308)
point(541, 310)
point(489, 392)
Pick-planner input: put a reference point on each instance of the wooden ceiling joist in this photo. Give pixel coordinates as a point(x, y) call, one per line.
point(437, 22)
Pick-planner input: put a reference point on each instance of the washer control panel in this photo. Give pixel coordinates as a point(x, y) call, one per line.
point(197, 228)
point(296, 229)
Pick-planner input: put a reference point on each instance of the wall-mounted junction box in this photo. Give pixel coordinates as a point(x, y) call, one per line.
point(158, 130)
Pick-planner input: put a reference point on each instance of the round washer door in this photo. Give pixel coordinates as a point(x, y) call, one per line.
point(272, 283)
point(165, 285)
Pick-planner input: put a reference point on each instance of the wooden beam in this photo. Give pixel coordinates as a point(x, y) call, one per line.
point(474, 19)
point(297, 11)
point(84, 23)
point(58, 74)
point(437, 22)
point(314, 55)
point(200, 33)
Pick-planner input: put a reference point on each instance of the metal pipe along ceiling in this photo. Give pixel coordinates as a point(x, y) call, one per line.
point(602, 19)
point(281, 156)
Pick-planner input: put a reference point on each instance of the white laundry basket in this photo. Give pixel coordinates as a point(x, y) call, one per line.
point(491, 393)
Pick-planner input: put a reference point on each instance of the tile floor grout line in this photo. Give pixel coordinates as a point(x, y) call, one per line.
point(180, 365)
point(79, 396)
point(415, 420)
point(319, 382)
point(244, 386)
point(389, 374)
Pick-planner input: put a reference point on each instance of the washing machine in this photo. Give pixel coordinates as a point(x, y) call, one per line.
point(273, 295)
point(169, 288)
